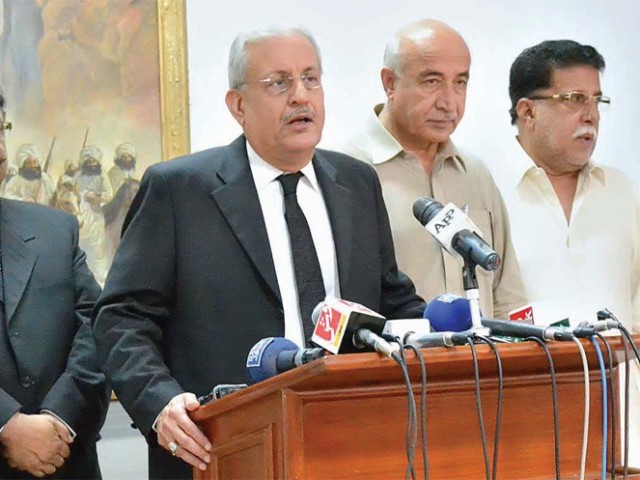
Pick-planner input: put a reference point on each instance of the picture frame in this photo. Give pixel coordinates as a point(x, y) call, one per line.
point(174, 78)
point(98, 92)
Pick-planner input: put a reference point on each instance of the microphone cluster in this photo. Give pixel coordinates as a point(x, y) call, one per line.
point(346, 327)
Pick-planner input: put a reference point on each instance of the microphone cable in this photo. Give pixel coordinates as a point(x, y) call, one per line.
point(483, 433)
point(587, 406)
point(612, 406)
point(627, 340)
point(412, 427)
point(605, 409)
point(554, 396)
point(627, 385)
point(496, 441)
point(606, 313)
point(423, 409)
point(412, 422)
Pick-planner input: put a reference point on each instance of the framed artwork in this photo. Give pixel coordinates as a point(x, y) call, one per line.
point(97, 90)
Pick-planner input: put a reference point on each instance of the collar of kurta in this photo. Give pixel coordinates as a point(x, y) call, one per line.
point(522, 168)
point(385, 148)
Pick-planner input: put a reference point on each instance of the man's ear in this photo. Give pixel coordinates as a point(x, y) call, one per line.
point(388, 81)
point(525, 110)
point(235, 104)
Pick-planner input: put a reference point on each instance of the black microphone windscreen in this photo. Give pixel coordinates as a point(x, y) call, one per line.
point(424, 208)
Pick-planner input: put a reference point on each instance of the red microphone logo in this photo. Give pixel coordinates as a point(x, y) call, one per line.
point(328, 323)
point(522, 315)
point(332, 317)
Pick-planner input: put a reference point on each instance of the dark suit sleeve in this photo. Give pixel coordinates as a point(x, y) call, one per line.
point(136, 304)
point(398, 298)
point(8, 407)
point(80, 396)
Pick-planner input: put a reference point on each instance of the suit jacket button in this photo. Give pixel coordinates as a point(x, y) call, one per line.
point(27, 381)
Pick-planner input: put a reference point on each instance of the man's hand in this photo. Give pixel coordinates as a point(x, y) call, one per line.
point(176, 428)
point(37, 444)
point(61, 429)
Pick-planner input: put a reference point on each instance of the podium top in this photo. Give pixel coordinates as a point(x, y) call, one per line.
point(444, 365)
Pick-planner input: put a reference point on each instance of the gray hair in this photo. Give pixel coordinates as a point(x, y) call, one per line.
point(393, 58)
point(238, 52)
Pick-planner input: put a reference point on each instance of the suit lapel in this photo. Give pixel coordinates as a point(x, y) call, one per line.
point(338, 199)
point(18, 258)
point(237, 199)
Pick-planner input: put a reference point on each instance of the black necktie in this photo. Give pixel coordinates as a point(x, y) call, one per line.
point(305, 259)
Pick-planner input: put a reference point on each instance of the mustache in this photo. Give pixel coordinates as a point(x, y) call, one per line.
point(298, 112)
point(585, 130)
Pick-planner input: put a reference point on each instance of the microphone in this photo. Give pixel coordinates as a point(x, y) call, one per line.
point(455, 231)
point(347, 327)
point(606, 314)
point(274, 355)
point(221, 390)
point(438, 339)
point(587, 330)
point(400, 328)
point(449, 313)
point(417, 332)
point(363, 337)
point(522, 330)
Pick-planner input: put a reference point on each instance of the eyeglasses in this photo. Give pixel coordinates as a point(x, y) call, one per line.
point(576, 100)
point(5, 127)
point(278, 83)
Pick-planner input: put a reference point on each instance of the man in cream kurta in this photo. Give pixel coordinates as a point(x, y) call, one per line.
point(462, 180)
point(576, 225)
point(407, 141)
point(571, 269)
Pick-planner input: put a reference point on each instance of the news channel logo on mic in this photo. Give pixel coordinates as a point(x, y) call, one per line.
point(448, 313)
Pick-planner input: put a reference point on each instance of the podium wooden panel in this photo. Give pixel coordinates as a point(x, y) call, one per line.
point(344, 417)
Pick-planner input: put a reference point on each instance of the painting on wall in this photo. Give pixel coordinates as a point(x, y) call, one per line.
point(97, 91)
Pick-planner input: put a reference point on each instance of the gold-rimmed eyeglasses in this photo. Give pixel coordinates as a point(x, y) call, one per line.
point(279, 83)
point(576, 100)
point(5, 127)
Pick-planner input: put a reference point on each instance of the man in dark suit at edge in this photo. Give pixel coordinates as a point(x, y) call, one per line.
point(207, 265)
point(53, 397)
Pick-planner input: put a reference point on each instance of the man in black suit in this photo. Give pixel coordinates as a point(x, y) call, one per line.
point(206, 266)
point(53, 397)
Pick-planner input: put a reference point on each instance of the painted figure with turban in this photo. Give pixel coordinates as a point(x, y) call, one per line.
point(95, 192)
point(30, 184)
point(124, 167)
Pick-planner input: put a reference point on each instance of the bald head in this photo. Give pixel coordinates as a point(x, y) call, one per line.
point(423, 37)
point(425, 79)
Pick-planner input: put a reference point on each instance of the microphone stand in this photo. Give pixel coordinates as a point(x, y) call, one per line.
point(470, 284)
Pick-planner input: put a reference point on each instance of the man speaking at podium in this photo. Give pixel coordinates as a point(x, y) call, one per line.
point(230, 245)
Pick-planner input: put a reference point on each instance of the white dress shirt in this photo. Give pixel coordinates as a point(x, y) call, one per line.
point(312, 204)
point(572, 270)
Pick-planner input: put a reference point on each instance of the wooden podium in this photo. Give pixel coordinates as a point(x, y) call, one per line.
point(345, 417)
